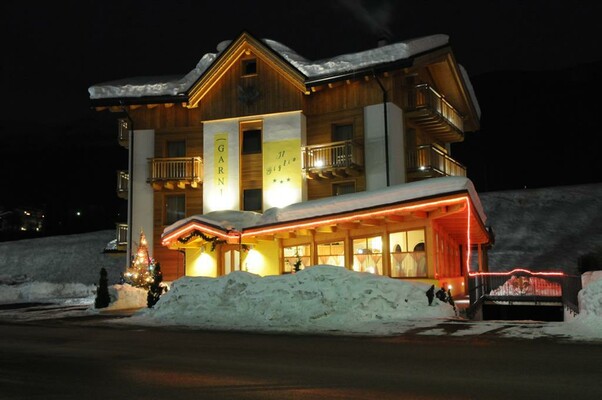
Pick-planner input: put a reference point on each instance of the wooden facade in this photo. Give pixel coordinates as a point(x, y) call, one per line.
point(250, 86)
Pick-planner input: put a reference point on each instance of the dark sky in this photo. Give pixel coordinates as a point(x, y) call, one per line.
point(516, 51)
point(53, 51)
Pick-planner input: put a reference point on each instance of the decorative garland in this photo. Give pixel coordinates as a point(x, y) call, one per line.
point(213, 240)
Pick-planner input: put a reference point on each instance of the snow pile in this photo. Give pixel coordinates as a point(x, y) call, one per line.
point(126, 297)
point(319, 299)
point(44, 291)
point(61, 259)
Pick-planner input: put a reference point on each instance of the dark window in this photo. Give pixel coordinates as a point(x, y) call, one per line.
point(343, 188)
point(252, 200)
point(175, 208)
point(342, 132)
point(251, 141)
point(176, 148)
point(249, 67)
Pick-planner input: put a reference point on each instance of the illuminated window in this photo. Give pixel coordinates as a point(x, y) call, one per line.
point(251, 141)
point(332, 253)
point(175, 208)
point(408, 255)
point(293, 254)
point(249, 67)
point(253, 200)
point(367, 255)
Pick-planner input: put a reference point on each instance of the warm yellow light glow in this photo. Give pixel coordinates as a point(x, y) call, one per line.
point(319, 163)
point(377, 244)
point(202, 266)
point(281, 195)
point(253, 262)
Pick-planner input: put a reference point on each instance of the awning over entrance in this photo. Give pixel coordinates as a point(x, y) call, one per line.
point(450, 202)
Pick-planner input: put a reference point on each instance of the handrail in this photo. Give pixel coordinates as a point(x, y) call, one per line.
point(427, 156)
point(424, 96)
point(340, 154)
point(176, 168)
point(123, 181)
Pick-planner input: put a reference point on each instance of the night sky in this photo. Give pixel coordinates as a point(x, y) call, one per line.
point(535, 67)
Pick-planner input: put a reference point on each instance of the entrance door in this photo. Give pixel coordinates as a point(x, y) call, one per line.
point(231, 259)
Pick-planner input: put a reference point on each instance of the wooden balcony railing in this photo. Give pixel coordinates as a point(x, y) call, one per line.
point(124, 132)
point(429, 109)
point(336, 159)
point(122, 234)
point(123, 184)
point(176, 171)
point(428, 161)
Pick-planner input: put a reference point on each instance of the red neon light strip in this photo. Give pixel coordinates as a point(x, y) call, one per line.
point(353, 217)
point(188, 228)
point(514, 271)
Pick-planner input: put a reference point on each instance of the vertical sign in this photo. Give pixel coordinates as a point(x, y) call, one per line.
point(220, 162)
point(282, 177)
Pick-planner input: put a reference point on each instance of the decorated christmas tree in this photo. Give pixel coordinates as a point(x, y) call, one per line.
point(139, 273)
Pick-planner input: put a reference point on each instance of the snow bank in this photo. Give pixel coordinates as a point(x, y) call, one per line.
point(319, 299)
point(125, 297)
point(44, 291)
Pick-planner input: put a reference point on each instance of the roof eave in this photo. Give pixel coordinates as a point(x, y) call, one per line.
point(144, 100)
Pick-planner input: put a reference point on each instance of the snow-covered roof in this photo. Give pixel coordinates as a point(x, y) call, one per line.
point(179, 85)
point(240, 220)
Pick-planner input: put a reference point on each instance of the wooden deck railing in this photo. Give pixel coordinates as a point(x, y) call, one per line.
point(428, 157)
point(424, 96)
point(123, 183)
point(122, 234)
point(124, 132)
point(332, 155)
point(176, 169)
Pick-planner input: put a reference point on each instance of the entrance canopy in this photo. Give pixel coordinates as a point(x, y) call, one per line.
point(451, 203)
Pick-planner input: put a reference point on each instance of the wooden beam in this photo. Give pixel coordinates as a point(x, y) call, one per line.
point(169, 185)
point(181, 185)
point(372, 222)
point(348, 225)
point(285, 235)
point(395, 218)
point(265, 238)
point(304, 232)
point(326, 174)
point(420, 214)
point(326, 229)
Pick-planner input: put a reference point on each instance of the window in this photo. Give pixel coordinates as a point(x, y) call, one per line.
point(175, 208)
point(249, 67)
point(408, 255)
point(367, 255)
point(251, 141)
point(343, 188)
point(293, 254)
point(332, 253)
point(342, 132)
point(253, 200)
point(176, 148)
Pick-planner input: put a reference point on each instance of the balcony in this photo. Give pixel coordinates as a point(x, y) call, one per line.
point(175, 172)
point(429, 110)
point(123, 184)
point(124, 132)
point(333, 160)
point(428, 161)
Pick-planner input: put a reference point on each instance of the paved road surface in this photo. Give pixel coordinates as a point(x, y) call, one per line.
point(92, 358)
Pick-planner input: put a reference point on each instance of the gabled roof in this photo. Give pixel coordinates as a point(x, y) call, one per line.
point(301, 72)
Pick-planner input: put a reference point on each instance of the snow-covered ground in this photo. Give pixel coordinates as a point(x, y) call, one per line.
point(323, 299)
